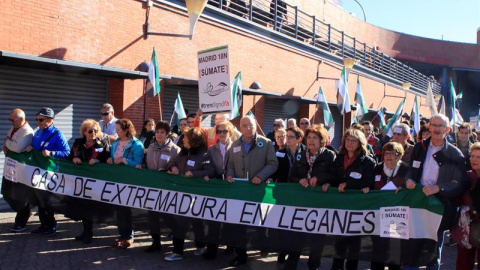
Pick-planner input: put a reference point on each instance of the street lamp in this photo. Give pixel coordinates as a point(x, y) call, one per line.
point(194, 9)
point(348, 63)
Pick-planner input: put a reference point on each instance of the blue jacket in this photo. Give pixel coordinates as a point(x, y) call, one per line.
point(57, 144)
point(133, 153)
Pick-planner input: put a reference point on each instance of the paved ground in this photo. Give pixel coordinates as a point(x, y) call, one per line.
point(25, 251)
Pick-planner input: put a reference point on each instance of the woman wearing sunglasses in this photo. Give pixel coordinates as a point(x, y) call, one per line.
point(91, 148)
point(218, 154)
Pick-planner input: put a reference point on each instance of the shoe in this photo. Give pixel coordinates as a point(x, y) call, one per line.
point(51, 232)
point(228, 250)
point(126, 243)
point(200, 251)
point(17, 229)
point(173, 257)
point(80, 237)
point(264, 253)
point(153, 247)
point(40, 231)
point(87, 238)
point(237, 261)
point(281, 257)
point(209, 256)
point(116, 243)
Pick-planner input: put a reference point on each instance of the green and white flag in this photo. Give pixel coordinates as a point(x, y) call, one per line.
point(343, 98)
point(154, 74)
point(451, 101)
point(178, 109)
point(236, 95)
point(416, 116)
point(395, 119)
point(381, 118)
point(327, 115)
point(431, 104)
point(362, 108)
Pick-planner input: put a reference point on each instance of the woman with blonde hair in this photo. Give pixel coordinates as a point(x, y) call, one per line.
point(92, 148)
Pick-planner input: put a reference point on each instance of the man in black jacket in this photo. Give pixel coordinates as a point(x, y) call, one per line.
point(439, 167)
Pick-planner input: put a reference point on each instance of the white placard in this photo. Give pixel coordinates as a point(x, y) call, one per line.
point(214, 92)
point(394, 222)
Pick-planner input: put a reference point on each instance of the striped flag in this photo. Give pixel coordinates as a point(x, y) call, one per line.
point(431, 104)
point(395, 119)
point(382, 118)
point(416, 116)
point(442, 109)
point(178, 108)
point(236, 95)
point(153, 74)
point(452, 100)
point(361, 106)
point(327, 115)
point(343, 99)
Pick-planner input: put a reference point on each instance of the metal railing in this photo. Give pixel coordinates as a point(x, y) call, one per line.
point(291, 21)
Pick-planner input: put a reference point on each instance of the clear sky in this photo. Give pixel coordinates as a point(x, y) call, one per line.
point(456, 20)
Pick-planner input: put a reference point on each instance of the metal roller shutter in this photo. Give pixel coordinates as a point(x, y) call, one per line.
point(74, 98)
point(189, 96)
point(336, 131)
point(278, 108)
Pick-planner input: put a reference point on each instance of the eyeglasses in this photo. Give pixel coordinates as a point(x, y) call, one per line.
point(398, 134)
point(351, 140)
point(190, 122)
point(40, 120)
point(13, 120)
point(105, 114)
point(225, 131)
point(281, 137)
point(391, 154)
point(291, 137)
point(304, 123)
point(92, 131)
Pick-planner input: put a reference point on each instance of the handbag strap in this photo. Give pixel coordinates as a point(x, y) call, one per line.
point(48, 139)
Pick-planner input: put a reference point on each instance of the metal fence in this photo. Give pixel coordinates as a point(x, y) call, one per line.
point(291, 21)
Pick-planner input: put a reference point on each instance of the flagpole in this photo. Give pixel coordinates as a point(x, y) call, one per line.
point(315, 113)
point(160, 107)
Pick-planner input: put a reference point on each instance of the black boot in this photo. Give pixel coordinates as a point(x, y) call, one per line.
point(156, 246)
point(87, 231)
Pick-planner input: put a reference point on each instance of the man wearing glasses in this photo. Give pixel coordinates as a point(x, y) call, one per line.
point(439, 167)
point(18, 138)
point(107, 124)
point(51, 143)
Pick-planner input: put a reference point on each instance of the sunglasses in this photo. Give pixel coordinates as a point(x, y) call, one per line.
point(303, 123)
point(277, 125)
point(40, 120)
point(291, 137)
point(225, 131)
point(105, 114)
point(92, 131)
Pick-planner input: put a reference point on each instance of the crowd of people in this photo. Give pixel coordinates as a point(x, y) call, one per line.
point(445, 164)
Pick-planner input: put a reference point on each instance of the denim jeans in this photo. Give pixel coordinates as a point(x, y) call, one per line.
point(435, 266)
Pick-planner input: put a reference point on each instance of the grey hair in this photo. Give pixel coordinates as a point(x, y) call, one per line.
point(293, 120)
point(108, 106)
point(306, 119)
point(281, 121)
point(405, 128)
point(251, 118)
point(442, 117)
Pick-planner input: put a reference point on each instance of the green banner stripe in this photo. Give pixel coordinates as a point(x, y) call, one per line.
point(281, 193)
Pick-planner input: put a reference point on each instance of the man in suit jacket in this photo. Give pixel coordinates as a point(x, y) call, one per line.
point(439, 167)
point(253, 157)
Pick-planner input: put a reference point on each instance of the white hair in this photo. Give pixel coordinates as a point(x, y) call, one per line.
point(405, 128)
point(442, 117)
point(292, 120)
point(280, 121)
point(251, 118)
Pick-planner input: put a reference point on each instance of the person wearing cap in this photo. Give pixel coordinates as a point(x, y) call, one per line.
point(51, 142)
point(107, 124)
point(19, 136)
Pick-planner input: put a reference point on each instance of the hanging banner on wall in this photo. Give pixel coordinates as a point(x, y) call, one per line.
point(214, 93)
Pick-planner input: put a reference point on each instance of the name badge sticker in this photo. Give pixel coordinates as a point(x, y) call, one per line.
point(378, 178)
point(191, 163)
point(416, 164)
point(280, 154)
point(355, 175)
point(165, 157)
point(237, 149)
